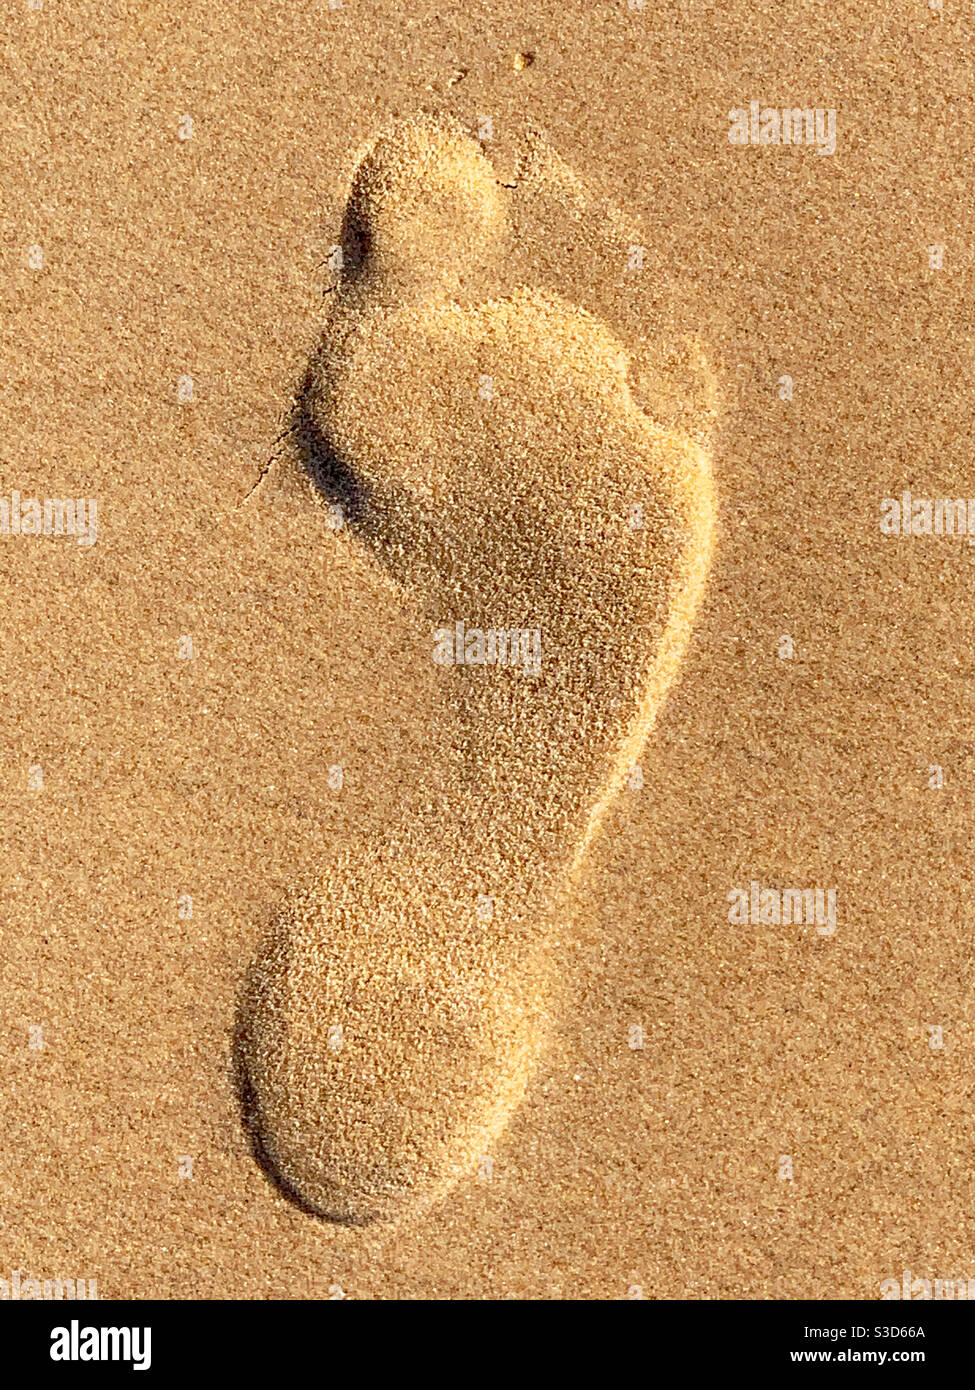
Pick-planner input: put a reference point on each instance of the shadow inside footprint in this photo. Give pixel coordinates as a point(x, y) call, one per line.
point(334, 478)
point(251, 1118)
point(412, 543)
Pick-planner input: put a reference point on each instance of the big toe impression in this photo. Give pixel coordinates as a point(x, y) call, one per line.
point(426, 206)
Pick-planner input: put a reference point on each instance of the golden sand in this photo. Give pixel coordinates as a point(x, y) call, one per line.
point(244, 807)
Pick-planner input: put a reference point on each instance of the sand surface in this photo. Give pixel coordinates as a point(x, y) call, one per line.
point(164, 776)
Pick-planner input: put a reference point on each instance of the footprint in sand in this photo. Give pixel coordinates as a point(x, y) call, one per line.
point(493, 455)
